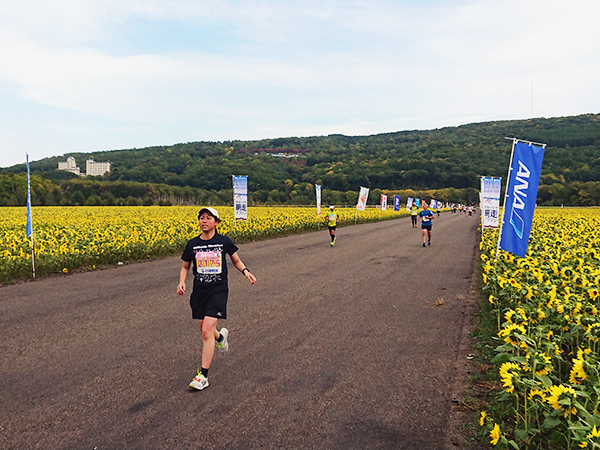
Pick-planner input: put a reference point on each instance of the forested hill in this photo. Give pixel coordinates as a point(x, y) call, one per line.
point(451, 157)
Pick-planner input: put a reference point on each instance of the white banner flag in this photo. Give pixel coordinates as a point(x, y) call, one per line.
point(240, 197)
point(318, 193)
point(490, 201)
point(362, 198)
point(383, 202)
point(409, 203)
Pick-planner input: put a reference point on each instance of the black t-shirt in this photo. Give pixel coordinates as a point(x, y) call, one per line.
point(210, 265)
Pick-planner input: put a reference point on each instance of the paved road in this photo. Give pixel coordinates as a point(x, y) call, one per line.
point(351, 347)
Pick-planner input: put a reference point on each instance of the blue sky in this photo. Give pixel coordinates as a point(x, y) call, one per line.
point(90, 75)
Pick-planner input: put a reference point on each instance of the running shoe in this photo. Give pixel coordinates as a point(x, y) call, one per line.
point(429, 243)
point(223, 346)
point(199, 382)
point(424, 244)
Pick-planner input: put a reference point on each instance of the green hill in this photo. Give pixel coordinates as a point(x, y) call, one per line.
point(284, 170)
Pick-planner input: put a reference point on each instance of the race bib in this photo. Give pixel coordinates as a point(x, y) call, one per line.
point(209, 262)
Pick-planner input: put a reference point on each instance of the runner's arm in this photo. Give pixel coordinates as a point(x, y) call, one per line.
point(183, 273)
point(239, 265)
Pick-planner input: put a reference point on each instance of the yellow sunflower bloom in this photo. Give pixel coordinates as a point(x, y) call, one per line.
point(561, 392)
point(495, 434)
point(508, 371)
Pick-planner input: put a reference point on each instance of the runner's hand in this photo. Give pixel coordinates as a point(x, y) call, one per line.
point(250, 277)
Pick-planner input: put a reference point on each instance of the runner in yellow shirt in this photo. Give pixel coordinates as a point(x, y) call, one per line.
point(414, 212)
point(332, 220)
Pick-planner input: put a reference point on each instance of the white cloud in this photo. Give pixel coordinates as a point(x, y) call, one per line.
point(225, 69)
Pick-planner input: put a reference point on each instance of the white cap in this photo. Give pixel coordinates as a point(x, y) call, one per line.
point(332, 206)
point(212, 211)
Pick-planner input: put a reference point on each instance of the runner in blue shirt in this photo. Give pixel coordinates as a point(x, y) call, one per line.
point(426, 216)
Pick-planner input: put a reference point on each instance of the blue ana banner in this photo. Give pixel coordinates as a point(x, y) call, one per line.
point(418, 202)
point(396, 203)
point(29, 221)
point(519, 204)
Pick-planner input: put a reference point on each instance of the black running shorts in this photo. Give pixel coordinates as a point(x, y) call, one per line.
point(209, 304)
point(426, 227)
point(331, 228)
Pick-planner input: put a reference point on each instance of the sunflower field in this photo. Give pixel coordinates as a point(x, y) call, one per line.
point(548, 353)
point(68, 238)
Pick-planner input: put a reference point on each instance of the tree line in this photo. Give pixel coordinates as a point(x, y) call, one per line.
point(81, 192)
point(449, 161)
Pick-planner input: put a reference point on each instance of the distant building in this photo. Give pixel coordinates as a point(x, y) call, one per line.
point(97, 168)
point(69, 166)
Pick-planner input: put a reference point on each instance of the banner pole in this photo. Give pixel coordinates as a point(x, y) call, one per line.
point(33, 254)
point(29, 230)
point(481, 203)
point(235, 236)
point(512, 154)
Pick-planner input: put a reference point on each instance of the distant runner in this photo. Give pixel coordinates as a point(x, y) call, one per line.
point(332, 220)
point(414, 212)
point(426, 217)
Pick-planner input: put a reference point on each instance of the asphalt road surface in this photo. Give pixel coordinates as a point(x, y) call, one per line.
point(356, 346)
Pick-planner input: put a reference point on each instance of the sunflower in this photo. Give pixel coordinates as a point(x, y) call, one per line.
point(495, 434)
point(594, 433)
point(482, 418)
point(533, 393)
point(593, 332)
point(529, 294)
point(562, 393)
point(578, 374)
point(515, 284)
point(510, 332)
point(594, 293)
point(508, 371)
point(567, 272)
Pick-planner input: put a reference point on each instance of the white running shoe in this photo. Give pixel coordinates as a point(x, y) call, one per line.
point(199, 382)
point(223, 346)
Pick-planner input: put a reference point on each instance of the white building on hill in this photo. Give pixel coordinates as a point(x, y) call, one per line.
point(69, 166)
point(97, 168)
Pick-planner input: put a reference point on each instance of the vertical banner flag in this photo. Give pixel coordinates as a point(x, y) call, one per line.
point(240, 197)
point(433, 204)
point(490, 201)
point(521, 195)
point(418, 202)
point(29, 218)
point(383, 202)
point(396, 203)
point(409, 203)
point(362, 198)
point(318, 194)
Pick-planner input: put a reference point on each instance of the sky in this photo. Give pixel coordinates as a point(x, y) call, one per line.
point(94, 75)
